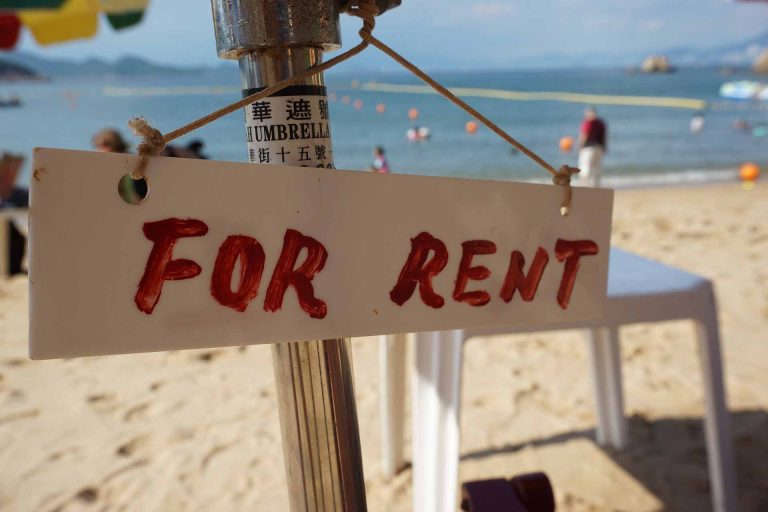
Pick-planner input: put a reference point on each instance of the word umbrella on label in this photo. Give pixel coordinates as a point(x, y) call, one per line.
point(291, 125)
point(224, 254)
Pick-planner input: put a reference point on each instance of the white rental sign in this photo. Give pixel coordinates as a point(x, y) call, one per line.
point(226, 254)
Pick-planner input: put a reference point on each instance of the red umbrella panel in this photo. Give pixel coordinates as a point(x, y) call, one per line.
point(10, 28)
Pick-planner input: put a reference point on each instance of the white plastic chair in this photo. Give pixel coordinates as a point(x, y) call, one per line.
point(639, 290)
point(19, 217)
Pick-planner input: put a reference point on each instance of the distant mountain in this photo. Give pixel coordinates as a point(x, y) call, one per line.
point(126, 66)
point(11, 71)
point(736, 54)
point(739, 54)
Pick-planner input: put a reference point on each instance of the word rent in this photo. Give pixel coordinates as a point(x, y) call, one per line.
point(428, 257)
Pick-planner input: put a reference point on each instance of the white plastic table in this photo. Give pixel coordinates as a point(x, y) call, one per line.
point(639, 291)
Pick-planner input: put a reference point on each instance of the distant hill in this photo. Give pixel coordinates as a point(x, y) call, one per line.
point(126, 66)
point(736, 54)
point(12, 71)
point(740, 54)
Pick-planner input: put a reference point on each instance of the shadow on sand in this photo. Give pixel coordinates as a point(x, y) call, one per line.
point(668, 456)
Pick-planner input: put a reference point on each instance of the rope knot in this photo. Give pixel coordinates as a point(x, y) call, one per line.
point(152, 143)
point(562, 178)
point(365, 10)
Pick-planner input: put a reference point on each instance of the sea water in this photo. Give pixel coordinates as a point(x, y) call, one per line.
point(646, 144)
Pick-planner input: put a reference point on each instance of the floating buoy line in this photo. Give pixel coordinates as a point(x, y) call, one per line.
point(501, 94)
point(569, 97)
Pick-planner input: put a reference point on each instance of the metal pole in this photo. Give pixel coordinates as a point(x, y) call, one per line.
point(315, 389)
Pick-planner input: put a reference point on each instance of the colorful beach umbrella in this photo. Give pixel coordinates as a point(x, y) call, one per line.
point(56, 21)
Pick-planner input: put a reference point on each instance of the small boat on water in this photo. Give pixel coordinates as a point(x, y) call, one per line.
point(745, 90)
point(12, 101)
point(418, 134)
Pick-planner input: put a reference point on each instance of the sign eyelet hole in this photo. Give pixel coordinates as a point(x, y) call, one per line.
point(133, 191)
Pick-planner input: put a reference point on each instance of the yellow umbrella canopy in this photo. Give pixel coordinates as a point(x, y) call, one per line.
point(56, 21)
point(76, 19)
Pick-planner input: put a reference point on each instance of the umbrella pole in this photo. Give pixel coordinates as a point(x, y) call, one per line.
point(315, 389)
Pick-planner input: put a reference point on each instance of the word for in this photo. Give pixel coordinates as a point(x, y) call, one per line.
point(419, 269)
point(161, 267)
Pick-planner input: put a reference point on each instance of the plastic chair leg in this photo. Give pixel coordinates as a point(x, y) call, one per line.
point(436, 398)
point(392, 352)
point(605, 359)
point(717, 421)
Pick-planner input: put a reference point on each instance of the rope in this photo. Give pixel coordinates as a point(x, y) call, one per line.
point(153, 141)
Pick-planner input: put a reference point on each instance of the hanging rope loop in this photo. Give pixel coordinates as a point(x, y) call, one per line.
point(562, 178)
point(153, 141)
point(366, 11)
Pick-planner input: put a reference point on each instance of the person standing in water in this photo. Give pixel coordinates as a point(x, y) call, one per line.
point(109, 140)
point(592, 147)
point(380, 163)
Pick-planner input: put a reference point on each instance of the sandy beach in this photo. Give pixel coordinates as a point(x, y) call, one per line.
point(198, 430)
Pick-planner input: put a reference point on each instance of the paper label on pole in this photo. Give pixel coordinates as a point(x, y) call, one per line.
point(223, 254)
point(290, 127)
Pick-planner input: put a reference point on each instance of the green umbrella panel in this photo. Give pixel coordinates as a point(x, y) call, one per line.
point(125, 19)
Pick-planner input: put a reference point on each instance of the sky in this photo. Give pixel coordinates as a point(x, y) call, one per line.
point(448, 33)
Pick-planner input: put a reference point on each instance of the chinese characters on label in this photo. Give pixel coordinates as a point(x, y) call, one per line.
point(292, 129)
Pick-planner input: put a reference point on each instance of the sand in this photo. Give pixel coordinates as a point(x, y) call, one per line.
point(198, 430)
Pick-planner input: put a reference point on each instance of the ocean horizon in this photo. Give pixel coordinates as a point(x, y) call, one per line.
point(647, 145)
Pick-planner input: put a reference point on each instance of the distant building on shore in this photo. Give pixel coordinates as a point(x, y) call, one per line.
point(656, 64)
point(760, 65)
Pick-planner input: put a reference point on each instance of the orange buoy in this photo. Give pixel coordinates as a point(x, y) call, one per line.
point(749, 171)
point(471, 127)
point(566, 144)
point(358, 104)
point(381, 108)
point(345, 100)
point(413, 114)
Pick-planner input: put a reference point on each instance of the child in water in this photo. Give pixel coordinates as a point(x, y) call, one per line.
point(380, 163)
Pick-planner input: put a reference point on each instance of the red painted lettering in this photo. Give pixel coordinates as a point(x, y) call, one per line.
point(467, 272)
point(418, 270)
point(251, 256)
point(160, 267)
point(517, 280)
point(285, 275)
point(571, 251)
